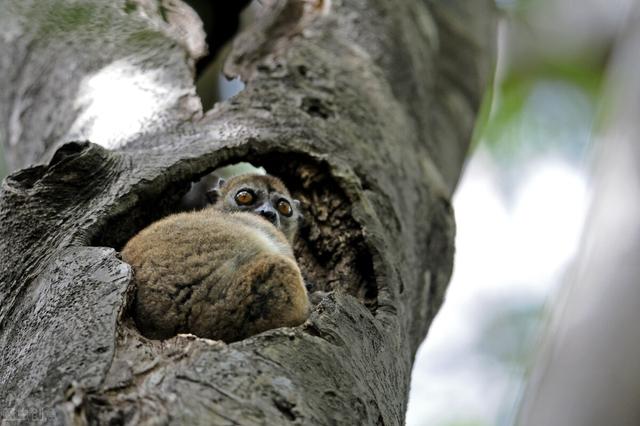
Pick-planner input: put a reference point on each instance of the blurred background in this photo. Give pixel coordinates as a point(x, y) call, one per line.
point(522, 207)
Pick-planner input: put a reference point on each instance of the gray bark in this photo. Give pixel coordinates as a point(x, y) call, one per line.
point(364, 108)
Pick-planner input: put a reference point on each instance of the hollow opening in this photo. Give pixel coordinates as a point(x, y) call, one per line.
point(221, 22)
point(330, 247)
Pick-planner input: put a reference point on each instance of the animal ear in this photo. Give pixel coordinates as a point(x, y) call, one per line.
point(296, 203)
point(213, 193)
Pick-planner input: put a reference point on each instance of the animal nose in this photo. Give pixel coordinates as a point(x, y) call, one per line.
point(270, 215)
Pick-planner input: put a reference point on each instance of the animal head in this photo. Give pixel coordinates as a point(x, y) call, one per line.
point(263, 195)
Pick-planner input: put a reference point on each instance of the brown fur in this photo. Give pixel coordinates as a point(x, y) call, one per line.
point(218, 275)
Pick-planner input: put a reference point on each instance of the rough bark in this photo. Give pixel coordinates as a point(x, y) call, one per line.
point(364, 108)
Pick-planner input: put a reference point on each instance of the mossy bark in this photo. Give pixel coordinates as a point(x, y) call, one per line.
point(364, 108)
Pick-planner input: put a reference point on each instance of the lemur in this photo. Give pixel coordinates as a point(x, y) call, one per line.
point(225, 272)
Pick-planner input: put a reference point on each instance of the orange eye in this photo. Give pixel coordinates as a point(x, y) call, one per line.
point(284, 208)
point(244, 197)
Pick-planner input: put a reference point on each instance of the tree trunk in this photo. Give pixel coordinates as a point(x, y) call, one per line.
point(364, 108)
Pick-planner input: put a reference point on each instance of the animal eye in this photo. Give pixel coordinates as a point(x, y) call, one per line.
point(284, 208)
point(244, 197)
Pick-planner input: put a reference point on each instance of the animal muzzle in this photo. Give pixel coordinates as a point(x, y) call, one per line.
point(270, 215)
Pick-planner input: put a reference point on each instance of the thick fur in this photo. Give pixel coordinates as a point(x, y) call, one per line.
point(215, 274)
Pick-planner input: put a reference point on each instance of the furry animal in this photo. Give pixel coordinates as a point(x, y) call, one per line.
point(225, 272)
